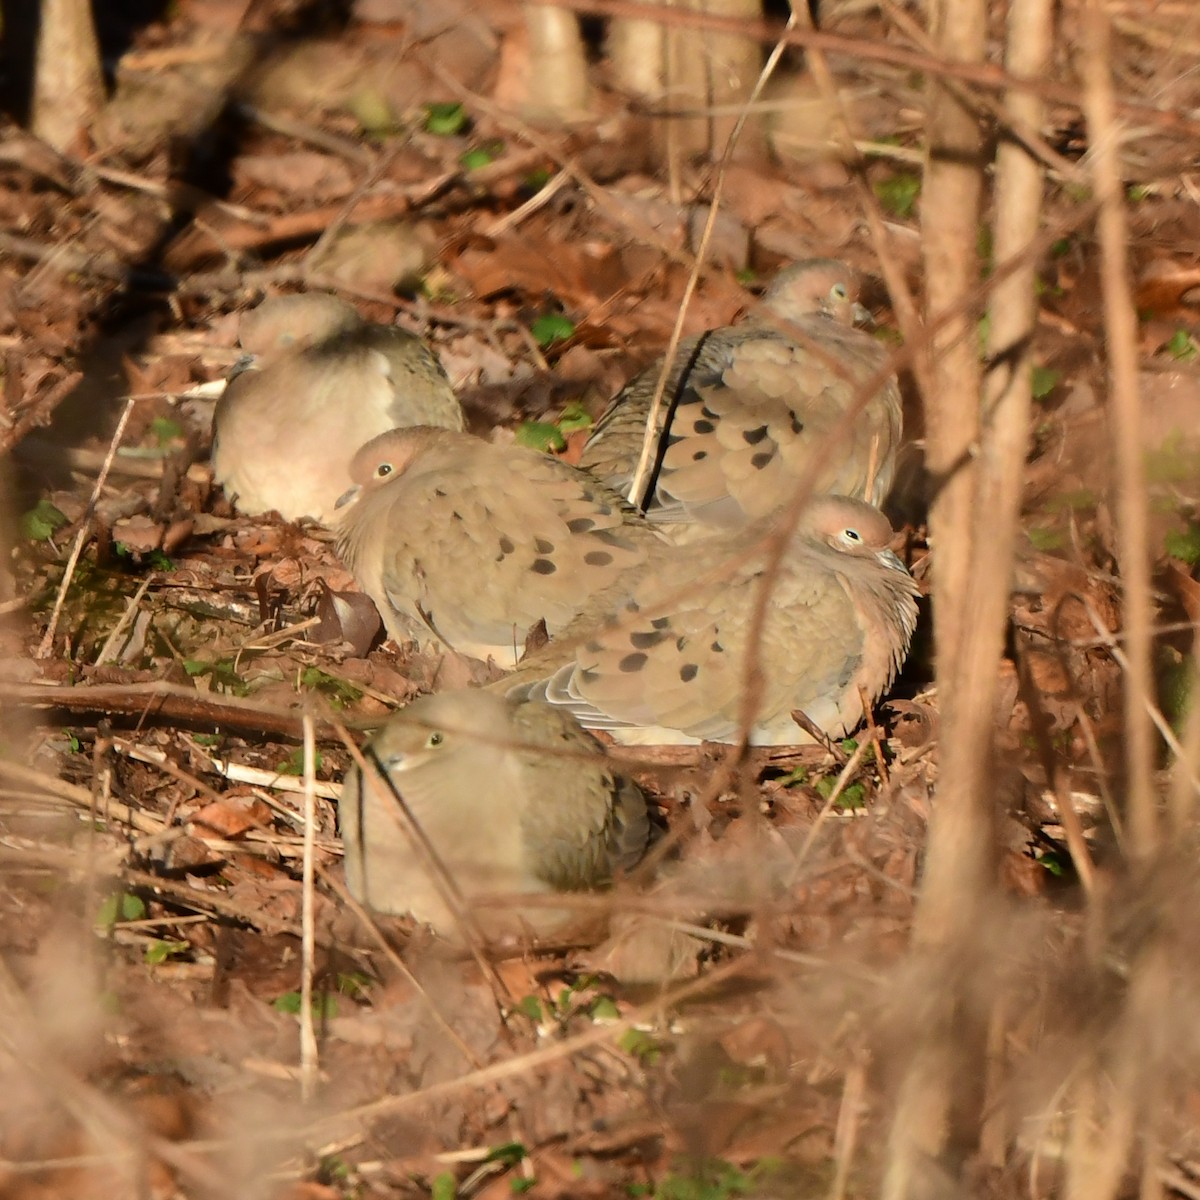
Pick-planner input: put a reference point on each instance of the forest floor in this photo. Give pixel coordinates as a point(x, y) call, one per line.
point(151, 823)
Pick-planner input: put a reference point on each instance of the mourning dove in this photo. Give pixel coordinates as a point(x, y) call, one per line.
point(661, 657)
point(513, 798)
point(283, 435)
point(470, 544)
point(749, 408)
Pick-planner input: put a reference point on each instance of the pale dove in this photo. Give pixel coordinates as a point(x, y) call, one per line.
point(661, 657)
point(749, 408)
point(283, 435)
point(513, 797)
point(470, 544)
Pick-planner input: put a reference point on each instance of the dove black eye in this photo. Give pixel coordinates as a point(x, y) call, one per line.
point(838, 291)
point(435, 739)
point(383, 470)
point(852, 535)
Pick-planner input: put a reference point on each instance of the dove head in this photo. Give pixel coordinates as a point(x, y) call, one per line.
point(387, 457)
point(436, 732)
point(816, 287)
point(851, 527)
point(286, 323)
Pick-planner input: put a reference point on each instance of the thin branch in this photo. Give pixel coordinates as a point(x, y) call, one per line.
point(1121, 330)
point(309, 1060)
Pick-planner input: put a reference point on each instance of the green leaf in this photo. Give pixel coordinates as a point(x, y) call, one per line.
point(536, 180)
point(1054, 863)
point(337, 691)
point(604, 1008)
point(222, 673)
point(640, 1045)
point(443, 1187)
point(472, 160)
point(508, 1152)
point(166, 430)
point(522, 1185)
point(552, 327)
point(984, 329)
point(898, 193)
point(1137, 192)
point(1044, 382)
point(323, 1006)
point(159, 950)
point(294, 763)
point(445, 119)
point(797, 775)
point(334, 1167)
point(853, 797)
point(531, 1007)
point(40, 522)
point(480, 156)
point(1184, 544)
point(713, 1180)
point(353, 983)
point(373, 111)
point(1181, 347)
point(1045, 538)
point(541, 435)
point(574, 417)
point(120, 906)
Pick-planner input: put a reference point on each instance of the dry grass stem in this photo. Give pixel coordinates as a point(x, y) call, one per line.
point(655, 419)
point(85, 529)
point(309, 1057)
point(1120, 321)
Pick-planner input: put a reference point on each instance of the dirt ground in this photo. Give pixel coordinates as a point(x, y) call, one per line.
point(154, 690)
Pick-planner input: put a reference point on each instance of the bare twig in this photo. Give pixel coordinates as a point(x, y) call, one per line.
point(934, 1105)
point(309, 1060)
point(653, 432)
point(1120, 321)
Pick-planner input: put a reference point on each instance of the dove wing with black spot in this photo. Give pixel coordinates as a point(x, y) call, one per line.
point(475, 543)
point(664, 655)
point(749, 411)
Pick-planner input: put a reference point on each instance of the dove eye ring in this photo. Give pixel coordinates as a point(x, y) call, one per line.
point(852, 535)
point(839, 292)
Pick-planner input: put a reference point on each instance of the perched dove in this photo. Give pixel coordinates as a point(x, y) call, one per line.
point(283, 435)
point(513, 797)
point(661, 657)
point(748, 409)
point(470, 544)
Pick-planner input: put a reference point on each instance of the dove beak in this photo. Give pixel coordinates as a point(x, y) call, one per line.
point(348, 496)
point(245, 363)
point(862, 315)
point(889, 558)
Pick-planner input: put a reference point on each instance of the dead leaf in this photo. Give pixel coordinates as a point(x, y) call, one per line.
point(230, 817)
